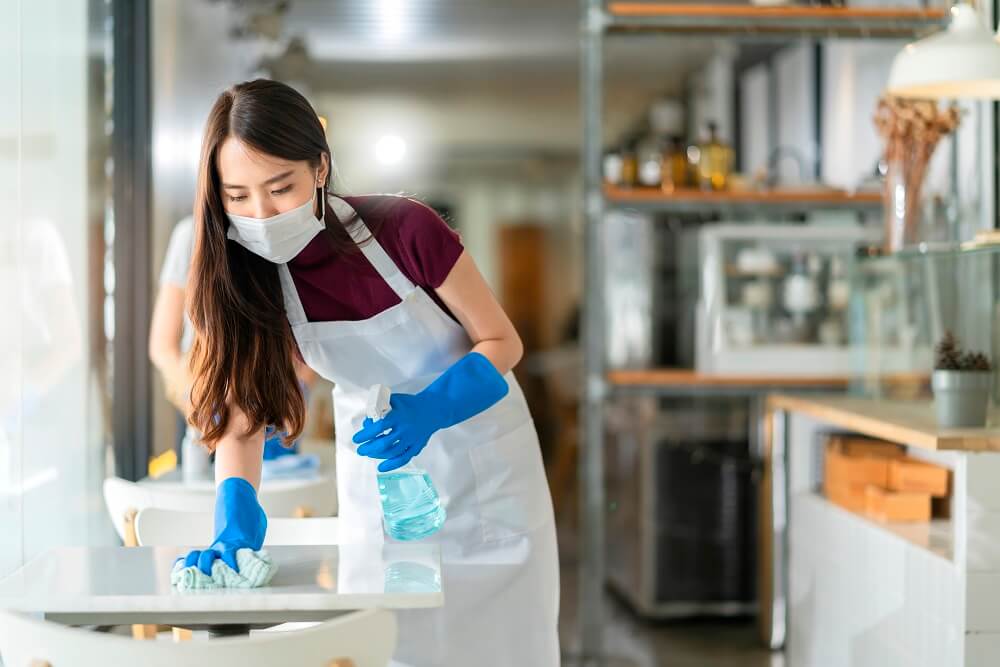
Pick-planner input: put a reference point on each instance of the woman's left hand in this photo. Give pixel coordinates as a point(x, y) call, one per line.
point(401, 434)
point(469, 386)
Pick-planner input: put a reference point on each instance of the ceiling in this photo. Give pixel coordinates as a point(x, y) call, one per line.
point(481, 74)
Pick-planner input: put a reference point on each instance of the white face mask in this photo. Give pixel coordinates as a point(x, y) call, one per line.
point(281, 237)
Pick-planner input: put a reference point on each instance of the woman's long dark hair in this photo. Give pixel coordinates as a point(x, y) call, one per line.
point(243, 349)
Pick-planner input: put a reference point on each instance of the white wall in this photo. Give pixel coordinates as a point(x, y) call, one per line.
point(710, 94)
point(854, 76)
point(754, 147)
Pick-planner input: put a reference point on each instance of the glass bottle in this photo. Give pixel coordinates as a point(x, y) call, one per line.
point(630, 166)
point(716, 161)
point(674, 168)
point(650, 154)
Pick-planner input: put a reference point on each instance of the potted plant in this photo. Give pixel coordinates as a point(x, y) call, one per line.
point(962, 382)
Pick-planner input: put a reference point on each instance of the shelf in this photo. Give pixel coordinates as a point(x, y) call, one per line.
point(734, 271)
point(909, 423)
point(935, 536)
point(680, 378)
point(701, 201)
point(702, 18)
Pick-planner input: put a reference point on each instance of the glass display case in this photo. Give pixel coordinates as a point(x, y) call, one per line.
point(901, 306)
point(773, 299)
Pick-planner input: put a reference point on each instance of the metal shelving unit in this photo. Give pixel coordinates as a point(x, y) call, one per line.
point(598, 21)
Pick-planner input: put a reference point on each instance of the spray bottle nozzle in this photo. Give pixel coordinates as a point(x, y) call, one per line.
point(377, 405)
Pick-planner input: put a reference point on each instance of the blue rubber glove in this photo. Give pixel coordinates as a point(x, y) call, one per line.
point(273, 449)
point(469, 387)
point(240, 523)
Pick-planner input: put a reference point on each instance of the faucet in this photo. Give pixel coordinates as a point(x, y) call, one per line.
point(776, 156)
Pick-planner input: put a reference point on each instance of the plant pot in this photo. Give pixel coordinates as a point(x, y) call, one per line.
point(961, 398)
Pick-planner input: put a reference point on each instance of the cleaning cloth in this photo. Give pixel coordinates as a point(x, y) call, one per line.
point(256, 569)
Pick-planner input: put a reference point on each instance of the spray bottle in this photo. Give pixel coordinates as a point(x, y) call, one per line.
point(411, 508)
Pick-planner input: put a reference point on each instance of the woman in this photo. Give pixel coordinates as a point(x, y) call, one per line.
point(368, 290)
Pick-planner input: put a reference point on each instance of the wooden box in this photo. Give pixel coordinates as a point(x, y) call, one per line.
point(843, 470)
point(884, 505)
point(855, 445)
point(913, 475)
point(851, 498)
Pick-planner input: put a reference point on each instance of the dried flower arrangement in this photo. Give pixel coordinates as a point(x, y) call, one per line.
point(911, 130)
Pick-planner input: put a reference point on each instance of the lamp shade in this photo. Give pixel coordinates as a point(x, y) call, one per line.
point(962, 61)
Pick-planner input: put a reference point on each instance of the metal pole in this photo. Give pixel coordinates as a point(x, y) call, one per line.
point(131, 401)
point(592, 550)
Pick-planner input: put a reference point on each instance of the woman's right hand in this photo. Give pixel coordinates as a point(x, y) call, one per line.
point(240, 523)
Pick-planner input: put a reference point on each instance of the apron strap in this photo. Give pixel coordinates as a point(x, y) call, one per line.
point(372, 250)
point(293, 306)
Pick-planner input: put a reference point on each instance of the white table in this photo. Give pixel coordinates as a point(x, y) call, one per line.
point(118, 585)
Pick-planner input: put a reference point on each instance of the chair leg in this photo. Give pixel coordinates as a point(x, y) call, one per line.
point(129, 521)
point(181, 635)
point(139, 630)
point(302, 512)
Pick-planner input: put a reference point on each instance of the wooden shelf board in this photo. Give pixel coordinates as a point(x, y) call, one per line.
point(647, 195)
point(680, 377)
point(909, 423)
point(697, 18)
point(685, 9)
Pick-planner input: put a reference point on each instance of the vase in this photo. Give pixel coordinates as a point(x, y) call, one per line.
point(961, 398)
point(901, 205)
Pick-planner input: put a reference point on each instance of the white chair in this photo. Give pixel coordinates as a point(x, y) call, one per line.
point(160, 527)
point(298, 498)
point(282, 498)
point(124, 499)
point(361, 639)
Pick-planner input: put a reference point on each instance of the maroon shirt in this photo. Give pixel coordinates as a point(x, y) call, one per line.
point(347, 288)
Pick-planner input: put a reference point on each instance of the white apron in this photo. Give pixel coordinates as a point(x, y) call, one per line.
point(500, 571)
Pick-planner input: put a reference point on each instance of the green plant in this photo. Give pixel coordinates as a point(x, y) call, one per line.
point(949, 356)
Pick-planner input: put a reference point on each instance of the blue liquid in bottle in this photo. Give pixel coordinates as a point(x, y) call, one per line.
point(411, 509)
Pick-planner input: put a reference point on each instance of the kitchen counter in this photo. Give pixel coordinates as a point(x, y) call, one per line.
point(910, 423)
point(838, 588)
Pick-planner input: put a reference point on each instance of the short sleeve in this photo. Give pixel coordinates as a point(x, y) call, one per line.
point(429, 246)
point(179, 251)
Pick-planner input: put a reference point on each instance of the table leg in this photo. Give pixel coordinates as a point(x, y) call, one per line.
point(233, 630)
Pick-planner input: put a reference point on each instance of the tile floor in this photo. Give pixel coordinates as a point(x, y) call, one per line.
point(633, 642)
